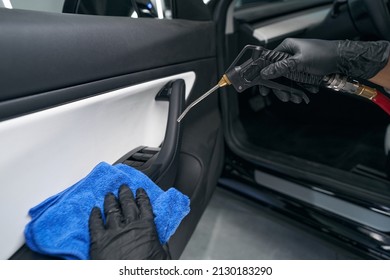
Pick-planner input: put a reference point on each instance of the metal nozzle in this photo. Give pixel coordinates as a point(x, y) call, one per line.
point(224, 81)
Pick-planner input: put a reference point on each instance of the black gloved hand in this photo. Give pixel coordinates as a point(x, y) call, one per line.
point(320, 57)
point(286, 96)
point(130, 232)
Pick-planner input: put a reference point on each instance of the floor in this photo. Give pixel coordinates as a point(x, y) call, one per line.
point(235, 228)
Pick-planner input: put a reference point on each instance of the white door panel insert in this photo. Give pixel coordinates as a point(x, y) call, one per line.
point(293, 25)
point(45, 152)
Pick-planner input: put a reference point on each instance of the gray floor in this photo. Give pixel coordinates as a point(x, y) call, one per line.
point(234, 228)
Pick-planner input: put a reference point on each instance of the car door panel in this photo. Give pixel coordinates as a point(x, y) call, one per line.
point(54, 51)
point(99, 49)
point(100, 128)
point(77, 90)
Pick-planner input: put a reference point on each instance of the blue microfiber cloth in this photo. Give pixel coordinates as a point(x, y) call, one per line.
point(59, 225)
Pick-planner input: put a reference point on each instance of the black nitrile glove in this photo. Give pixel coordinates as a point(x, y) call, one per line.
point(321, 57)
point(129, 233)
point(285, 96)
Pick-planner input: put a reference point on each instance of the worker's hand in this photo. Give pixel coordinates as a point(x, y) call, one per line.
point(306, 56)
point(285, 96)
point(320, 57)
point(129, 232)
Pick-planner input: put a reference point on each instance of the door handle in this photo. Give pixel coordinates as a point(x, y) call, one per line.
point(161, 164)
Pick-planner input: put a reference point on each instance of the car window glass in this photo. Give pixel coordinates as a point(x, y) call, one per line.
point(36, 5)
point(124, 8)
point(240, 3)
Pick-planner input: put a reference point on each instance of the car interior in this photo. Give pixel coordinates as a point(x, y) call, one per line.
point(334, 130)
point(337, 141)
point(340, 135)
point(105, 81)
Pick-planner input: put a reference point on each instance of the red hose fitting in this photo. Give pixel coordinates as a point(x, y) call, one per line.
point(382, 101)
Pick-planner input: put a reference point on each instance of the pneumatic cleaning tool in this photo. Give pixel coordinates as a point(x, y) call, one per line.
point(247, 75)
